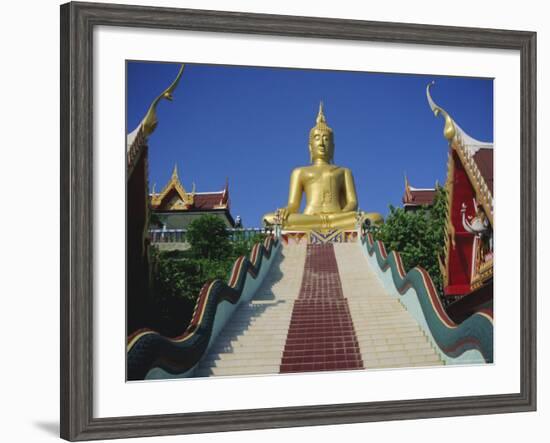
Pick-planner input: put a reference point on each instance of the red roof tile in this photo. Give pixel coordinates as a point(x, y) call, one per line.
point(207, 200)
point(419, 197)
point(484, 161)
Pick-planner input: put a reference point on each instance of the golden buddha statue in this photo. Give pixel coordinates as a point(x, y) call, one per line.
point(331, 200)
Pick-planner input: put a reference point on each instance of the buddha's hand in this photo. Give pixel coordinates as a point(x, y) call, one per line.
point(282, 214)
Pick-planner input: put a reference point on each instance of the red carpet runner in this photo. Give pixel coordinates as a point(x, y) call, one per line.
point(321, 335)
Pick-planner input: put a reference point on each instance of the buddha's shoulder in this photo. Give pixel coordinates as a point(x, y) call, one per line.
point(315, 169)
point(309, 169)
point(341, 169)
point(300, 170)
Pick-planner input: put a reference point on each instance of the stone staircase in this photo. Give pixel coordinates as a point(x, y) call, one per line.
point(321, 336)
point(253, 340)
point(287, 327)
point(389, 337)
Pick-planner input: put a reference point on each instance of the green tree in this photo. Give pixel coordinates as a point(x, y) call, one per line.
point(209, 238)
point(418, 236)
point(178, 276)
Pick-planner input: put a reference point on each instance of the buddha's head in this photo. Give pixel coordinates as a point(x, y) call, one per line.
point(321, 139)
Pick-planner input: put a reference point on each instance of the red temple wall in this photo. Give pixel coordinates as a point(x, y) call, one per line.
point(460, 256)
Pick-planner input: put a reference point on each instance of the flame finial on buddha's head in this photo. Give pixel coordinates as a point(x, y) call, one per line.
point(320, 124)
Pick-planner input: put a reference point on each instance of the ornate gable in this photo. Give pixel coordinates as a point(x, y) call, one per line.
point(173, 197)
point(468, 261)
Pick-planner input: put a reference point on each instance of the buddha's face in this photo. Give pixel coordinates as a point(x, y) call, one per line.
point(321, 146)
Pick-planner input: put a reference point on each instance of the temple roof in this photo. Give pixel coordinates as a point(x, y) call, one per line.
point(417, 196)
point(476, 156)
point(174, 197)
point(208, 200)
point(484, 162)
point(136, 140)
point(467, 263)
point(149, 122)
point(452, 131)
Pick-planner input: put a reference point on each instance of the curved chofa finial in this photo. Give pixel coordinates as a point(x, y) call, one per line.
point(452, 131)
point(449, 131)
point(150, 121)
point(466, 148)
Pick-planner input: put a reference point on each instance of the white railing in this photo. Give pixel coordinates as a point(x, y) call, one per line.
point(179, 235)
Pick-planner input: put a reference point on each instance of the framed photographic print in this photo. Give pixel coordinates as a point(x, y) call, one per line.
point(292, 221)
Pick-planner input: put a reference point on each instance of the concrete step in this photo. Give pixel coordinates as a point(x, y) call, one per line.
point(237, 344)
point(387, 334)
point(238, 370)
point(246, 362)
point(253, 341)
point(225, 356)
point(281, 323)
point(238, 349)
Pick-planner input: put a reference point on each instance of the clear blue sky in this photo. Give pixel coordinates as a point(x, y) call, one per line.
point(251, 125)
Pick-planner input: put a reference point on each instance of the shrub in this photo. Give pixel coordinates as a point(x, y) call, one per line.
point(209, 238)
point(178, 276)
point(418, 236)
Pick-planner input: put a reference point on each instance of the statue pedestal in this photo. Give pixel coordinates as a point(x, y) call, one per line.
point(320, 237)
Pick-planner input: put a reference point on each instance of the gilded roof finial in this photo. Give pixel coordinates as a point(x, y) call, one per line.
point(407, 187)
point(149, 122)
point(175, 172)
point(449, 131)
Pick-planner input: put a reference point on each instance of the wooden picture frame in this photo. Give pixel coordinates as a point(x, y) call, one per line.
point(77, 216)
